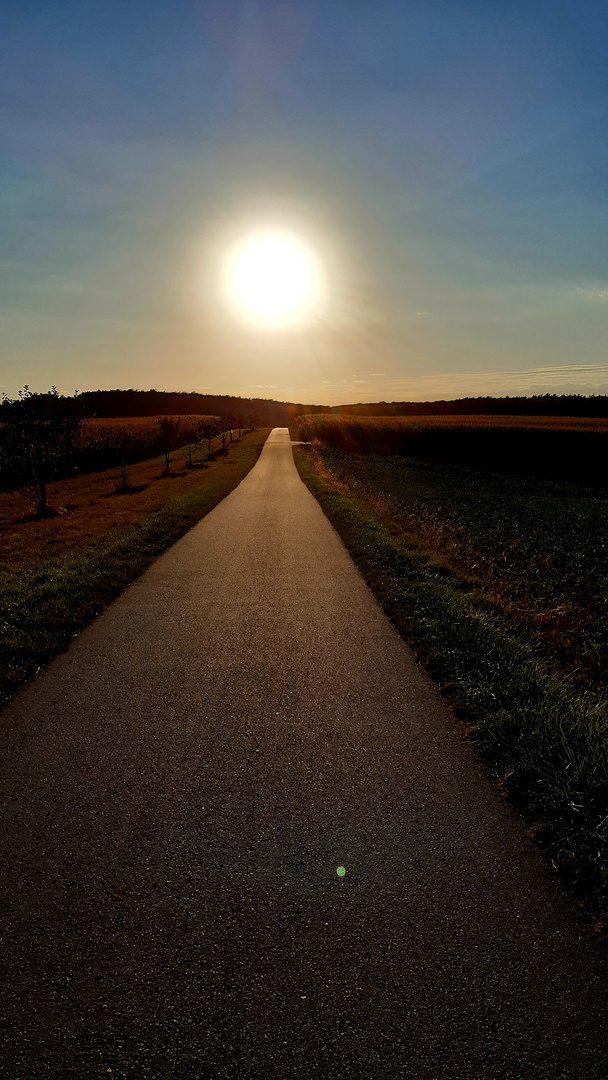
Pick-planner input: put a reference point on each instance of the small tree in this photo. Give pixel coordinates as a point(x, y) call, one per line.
point(127, 443)
point(209, 428)
point(191, 434)
point(224, 424)
point(39, 435)
point(229, 423)
point(169, 436)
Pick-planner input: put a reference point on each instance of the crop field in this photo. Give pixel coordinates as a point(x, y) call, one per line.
point(142, 428)
point(562, 448)
point(314, 423)
point(100, 429)
point(501, 584)
point(536, 552)
point(99, 443)
point(103, 442)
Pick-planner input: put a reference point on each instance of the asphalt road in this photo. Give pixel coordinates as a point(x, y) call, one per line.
point(179, 789)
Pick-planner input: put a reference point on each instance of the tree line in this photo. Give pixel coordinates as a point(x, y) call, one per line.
point(106, 403)
point(44, 437)
point(283, 413)
point(595, 405)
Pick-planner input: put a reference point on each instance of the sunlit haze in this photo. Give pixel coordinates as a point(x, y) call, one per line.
point(272, 280)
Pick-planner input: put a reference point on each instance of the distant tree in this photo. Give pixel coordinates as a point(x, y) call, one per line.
point(191, 435)
point(225, 425)
point(39, 433)
point(230, 422)
point(125, 441)
point(209, 428)
point(169, 434)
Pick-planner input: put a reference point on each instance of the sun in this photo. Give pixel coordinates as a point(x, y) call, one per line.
point(273, 279)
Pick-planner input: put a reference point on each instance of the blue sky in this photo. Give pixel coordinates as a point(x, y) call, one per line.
point(447, 161)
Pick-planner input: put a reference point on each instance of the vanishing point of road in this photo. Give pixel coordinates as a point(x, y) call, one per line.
point(180, 789)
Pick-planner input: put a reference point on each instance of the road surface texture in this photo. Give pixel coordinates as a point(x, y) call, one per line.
point(180, 789)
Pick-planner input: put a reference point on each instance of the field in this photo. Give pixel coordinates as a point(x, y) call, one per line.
point(58, 572)
point(310, 422)
point(98, 443)
point(140, 428)
point(570, 449)
point(105, 442)
point(89, 505)
point(501, 583)
point(536, 552)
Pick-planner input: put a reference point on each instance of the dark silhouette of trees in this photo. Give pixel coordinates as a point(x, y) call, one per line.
point(39, 433)
point(132, 403)
point(127, 403)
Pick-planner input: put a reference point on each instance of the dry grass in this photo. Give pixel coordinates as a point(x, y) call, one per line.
point(92, 505)
point(59, 573)
point(144, 425)
point(545, 737)
point(555, 423)
point(320, 425)
point(559, 423)
point(566, 449)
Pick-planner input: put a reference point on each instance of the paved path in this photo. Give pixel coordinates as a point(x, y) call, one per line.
point(181, 787)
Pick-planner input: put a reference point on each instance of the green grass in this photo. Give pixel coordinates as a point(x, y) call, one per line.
point(44, 605)
point(538, 551)
point(545, 738)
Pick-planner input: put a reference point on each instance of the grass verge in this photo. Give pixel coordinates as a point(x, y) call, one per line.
point(45, 603)
point(536, 550)
point(545, 740)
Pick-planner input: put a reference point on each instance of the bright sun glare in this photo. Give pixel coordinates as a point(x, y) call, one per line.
point(273, 279)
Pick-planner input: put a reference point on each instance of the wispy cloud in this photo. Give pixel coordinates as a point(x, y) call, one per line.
point(573, 379)
point(593, 294)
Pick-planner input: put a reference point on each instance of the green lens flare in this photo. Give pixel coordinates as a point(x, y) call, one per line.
point(340, 871)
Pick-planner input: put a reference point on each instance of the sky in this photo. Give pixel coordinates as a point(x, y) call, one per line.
point(445, 161)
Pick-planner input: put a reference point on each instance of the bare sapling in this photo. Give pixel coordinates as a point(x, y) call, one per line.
point(169, 432)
